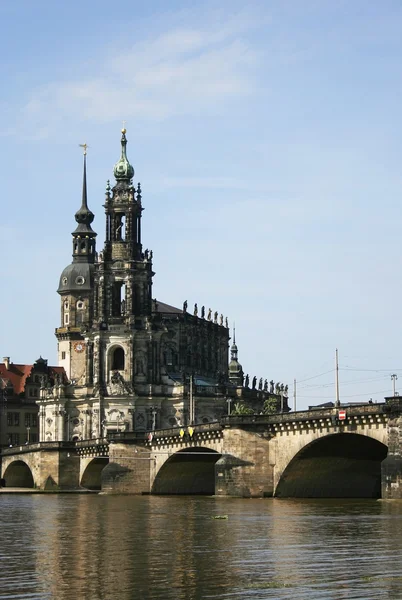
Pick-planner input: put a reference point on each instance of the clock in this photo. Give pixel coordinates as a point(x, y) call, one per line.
point(79, 346)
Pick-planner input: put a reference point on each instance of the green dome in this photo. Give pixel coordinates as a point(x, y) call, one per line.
point(123, 170)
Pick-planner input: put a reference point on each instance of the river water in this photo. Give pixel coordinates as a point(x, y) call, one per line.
point(96, 547)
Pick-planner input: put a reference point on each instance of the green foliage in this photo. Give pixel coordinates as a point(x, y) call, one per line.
point(241, 409)
point(270, 406)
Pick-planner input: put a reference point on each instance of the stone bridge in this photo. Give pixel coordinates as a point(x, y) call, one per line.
point(52, 466)
point(302, 454)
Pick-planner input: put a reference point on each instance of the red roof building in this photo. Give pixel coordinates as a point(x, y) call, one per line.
point(19, 390)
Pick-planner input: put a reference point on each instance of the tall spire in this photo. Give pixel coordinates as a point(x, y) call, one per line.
point(235, 368)
point(84, 216)
point(84, 236)
point(123, 170)
point(233, 349)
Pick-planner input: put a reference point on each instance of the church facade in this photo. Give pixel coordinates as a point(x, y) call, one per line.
point(134, 363)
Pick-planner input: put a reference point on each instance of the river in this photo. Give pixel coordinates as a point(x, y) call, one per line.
point(96, 547)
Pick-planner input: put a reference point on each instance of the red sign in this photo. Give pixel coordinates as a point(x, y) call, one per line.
point(341, 415)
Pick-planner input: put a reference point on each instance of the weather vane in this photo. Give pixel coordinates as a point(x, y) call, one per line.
point(85, 146)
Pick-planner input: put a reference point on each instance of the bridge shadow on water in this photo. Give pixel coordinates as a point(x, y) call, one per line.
point(190, 471)
point(336, 466)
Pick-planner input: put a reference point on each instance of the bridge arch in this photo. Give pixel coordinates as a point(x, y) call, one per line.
point(92, 476)
point(188, 471)
point(18, 474)
point(339, 465)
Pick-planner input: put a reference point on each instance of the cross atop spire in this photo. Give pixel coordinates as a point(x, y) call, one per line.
point(85, 146)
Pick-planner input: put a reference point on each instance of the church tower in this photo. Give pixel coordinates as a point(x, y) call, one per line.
point(123, 292)
point(236, 376)
point(76, 292)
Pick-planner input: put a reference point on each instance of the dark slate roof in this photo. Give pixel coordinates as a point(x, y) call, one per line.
point(76, 272)
point(166, 308)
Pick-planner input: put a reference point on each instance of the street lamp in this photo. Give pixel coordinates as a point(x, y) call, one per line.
point(154, 411)
point(394, 377)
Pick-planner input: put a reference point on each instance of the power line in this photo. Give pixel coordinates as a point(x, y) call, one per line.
point(347, 382)
point(351, 396)
point(347, 368)
point(319, 375)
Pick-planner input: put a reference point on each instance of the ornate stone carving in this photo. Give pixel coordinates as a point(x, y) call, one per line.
point(118, 386)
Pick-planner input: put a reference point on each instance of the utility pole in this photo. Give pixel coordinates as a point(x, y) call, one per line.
point(394, 377)
point(294, 395)
point(337, 403)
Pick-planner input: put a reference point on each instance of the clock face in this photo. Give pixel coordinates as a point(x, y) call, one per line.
point(79, 346)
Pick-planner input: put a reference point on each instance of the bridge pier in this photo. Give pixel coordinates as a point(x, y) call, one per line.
point(128, 471)
point(391, 466)
point(250, 476)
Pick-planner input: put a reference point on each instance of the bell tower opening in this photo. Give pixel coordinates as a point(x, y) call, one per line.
point(118, 359)
point(118, 299)
point(120, 227)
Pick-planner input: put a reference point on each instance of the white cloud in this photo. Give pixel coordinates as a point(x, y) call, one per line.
point(178, 72)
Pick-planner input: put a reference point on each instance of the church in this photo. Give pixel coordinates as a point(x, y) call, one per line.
point(133, 363)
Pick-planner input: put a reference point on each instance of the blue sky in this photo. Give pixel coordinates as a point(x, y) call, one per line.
point(267, 137)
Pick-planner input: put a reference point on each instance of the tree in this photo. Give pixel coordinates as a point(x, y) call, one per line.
point(270, 406)
point(241, 409)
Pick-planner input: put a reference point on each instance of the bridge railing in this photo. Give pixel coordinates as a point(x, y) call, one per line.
point(91, 442)
point(306, 415)
point(169, 432)
point(38, 446)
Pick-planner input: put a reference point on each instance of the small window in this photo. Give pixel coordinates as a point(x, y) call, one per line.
point(66, 319)
point(66, 305)
point(27, 420)
point(64, 280)
point(34, 420)
point(80, 305)
point(80, 280)
point(63, 356)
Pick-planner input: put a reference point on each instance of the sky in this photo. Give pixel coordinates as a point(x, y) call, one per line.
point(267, 137)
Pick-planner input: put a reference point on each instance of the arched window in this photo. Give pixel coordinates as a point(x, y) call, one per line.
point(118, 359)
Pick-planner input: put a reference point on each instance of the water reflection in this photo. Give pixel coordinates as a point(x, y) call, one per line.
point(68, 547)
